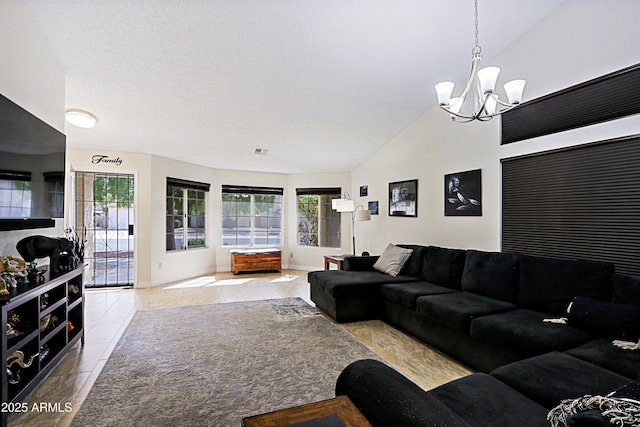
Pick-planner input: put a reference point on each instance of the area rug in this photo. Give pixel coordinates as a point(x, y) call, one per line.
point(212, 365)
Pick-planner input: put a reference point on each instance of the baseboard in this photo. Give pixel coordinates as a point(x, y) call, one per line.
point(304, 267)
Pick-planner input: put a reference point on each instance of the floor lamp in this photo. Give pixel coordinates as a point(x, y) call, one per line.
point(347, 205)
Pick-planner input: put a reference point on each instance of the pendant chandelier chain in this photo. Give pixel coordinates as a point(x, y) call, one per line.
point(477, 49)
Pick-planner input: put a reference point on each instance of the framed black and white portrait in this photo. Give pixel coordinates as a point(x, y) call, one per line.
point(403, 198)
point(463, 193)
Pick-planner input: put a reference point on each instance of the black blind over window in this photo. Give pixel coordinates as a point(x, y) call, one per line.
point(241, 189)
point(15, 175)
point(605, 98)
point(192, 185)
point(576, 203)
point(318, 191)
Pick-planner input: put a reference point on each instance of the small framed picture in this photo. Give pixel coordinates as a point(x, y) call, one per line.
point(403, 198)
point(463, 193)
point(364, 191)
point(373, 207)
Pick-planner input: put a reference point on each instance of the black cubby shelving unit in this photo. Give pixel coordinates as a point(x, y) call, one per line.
point(51, 321)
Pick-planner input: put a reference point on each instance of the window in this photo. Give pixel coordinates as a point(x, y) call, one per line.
point(15, 194)
point(251, 216)
point(186, 210)
point(318, 223)
point(55, 181)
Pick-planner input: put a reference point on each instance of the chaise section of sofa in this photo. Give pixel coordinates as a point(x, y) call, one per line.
point(353, 294)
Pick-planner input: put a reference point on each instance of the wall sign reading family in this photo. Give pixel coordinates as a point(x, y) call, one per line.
point(101, 158)
point(463, 193)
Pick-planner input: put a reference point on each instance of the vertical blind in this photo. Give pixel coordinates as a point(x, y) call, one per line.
point(577, 203)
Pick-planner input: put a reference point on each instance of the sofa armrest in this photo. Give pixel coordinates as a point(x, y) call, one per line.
point(359, 263)
point(387, 398)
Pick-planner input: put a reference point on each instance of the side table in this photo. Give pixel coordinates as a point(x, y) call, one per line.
point(333, 259)
point(336, 412)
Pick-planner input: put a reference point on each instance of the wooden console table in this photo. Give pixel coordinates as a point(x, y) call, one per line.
point(255, 260)
point(338, 411)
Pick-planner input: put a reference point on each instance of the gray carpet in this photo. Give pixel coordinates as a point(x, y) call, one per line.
point(212, 365)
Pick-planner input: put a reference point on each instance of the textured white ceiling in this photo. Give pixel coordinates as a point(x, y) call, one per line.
point(321, 84)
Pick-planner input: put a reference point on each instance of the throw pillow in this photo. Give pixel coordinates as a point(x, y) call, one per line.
point(626, 289)
point(392, 259)
point(605, 319)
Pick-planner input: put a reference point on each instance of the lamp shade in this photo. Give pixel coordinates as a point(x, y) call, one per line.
point(515, 89)
point(346, 206)
point(491, 104)
point(363, 215)
point(335, 203)
point(488, 77)
point(444, 91)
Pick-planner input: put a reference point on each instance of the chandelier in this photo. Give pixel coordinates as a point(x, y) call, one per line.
point(478, 100)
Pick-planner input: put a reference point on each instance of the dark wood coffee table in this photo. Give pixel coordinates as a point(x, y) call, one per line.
point(336, 412)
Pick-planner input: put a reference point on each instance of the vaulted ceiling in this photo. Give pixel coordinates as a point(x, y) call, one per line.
point(320, 84)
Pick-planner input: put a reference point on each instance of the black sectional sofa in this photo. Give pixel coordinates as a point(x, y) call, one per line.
point(498, 313)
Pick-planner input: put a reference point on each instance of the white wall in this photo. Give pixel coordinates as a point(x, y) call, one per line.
point(603, 38)
point(31, 77)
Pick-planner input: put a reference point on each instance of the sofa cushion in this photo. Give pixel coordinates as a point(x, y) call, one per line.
point(413, 266)
point(481, 400)
point(603, 353)
point(353, 284)
point(359, 263)
point(524, 333)
point(552, 377)
point(605, 319)
point(456, 310)
point(626, 289)
point(548, 285)
point(392, 259)
point(406, 294)
point(443, 266)
point(492, 274)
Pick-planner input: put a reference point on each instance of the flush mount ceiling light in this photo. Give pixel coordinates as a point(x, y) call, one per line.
point(478, 101)
point(81, 119)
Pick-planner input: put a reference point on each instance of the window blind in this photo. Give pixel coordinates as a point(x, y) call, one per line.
point(192, 185)
point(318, 191)
point(609, 97)
point(575, 203)
point(251, 189)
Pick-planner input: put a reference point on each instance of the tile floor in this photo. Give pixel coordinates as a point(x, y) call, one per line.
point(108, 312)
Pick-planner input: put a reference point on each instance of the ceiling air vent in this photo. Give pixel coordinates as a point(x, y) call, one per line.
point(261, 151)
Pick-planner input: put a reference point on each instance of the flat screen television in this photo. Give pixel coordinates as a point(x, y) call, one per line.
point(32, 164)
